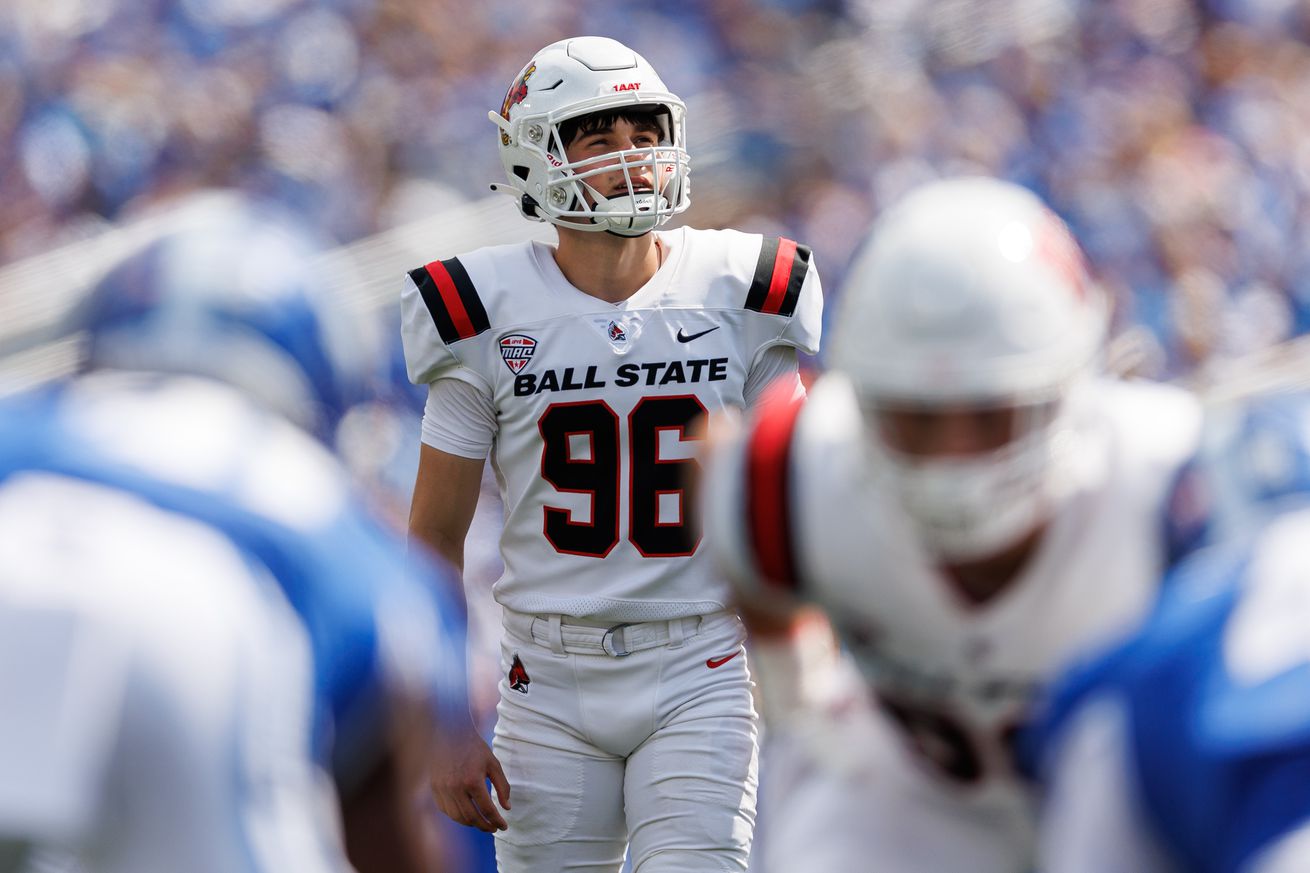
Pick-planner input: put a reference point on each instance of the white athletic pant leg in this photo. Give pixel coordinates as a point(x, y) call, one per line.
point(566, 794)
point(658, 744)
point(691, 787)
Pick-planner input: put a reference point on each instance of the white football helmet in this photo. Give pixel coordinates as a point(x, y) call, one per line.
point(971, 294)
point(576, 77)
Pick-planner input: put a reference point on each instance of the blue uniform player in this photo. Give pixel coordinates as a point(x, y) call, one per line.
point(157, 694)
point(1187, 747)
point(212, 358)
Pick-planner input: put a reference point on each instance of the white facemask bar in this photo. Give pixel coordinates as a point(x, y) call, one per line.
point(567, 185)
point(978, 490)
point(563, 202)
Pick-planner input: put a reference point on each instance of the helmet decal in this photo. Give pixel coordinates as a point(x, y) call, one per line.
point(517, 93)
point(1057, 248)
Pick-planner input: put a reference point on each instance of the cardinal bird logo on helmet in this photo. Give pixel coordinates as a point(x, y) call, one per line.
point(518, 92)
point(518, 677)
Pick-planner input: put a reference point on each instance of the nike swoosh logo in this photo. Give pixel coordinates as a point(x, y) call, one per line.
point(719, 662)
point(684, 338)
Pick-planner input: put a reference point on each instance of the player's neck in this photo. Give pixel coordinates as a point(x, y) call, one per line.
point(981, 580)
point(611, 268)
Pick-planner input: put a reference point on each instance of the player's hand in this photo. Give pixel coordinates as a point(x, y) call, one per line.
point(460, 772)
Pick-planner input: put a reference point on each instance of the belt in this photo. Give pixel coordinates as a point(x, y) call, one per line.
point(562, 633)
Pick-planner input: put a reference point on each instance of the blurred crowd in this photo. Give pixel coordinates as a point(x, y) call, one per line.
point(1170, 134)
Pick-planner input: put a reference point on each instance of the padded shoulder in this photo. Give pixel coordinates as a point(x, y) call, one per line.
point(772, 277)
point(448, 302)
point(780, 271)
point(451, 299)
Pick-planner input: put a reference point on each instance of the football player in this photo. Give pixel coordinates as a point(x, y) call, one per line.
point(625, 712)
point(202, 349)
point(970, 502)
point(1187, 746)
point(157, 691)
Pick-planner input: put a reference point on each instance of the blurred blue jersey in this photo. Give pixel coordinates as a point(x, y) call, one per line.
point(1212, 699)
point(1252, 463)
point(200, 450)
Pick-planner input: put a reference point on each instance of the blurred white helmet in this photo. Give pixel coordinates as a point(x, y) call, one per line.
point(581, 76)
point(971, 294)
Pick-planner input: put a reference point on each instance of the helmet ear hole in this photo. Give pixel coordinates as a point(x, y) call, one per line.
point(522, 172)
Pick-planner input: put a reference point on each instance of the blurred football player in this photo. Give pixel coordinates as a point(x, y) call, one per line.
point(625, 715)
point(157, 688)
point(970, 503)
point(202, 350)
point(1187, 746)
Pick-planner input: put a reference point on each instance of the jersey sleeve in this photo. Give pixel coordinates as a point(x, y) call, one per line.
point(459, 418)
point(439, 308)
point(749, 497)
point(774, 364)
point(786, 283)
point(806, 326)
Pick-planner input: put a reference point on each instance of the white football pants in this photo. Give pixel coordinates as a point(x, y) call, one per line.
point(656, 748)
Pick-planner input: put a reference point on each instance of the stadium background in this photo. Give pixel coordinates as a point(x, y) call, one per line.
point(1173, 136)
point(1170, 134)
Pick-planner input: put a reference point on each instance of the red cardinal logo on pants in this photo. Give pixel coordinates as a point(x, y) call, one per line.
point(518, 676)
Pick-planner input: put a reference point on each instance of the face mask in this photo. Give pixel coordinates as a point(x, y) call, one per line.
point(632, 214)
point(968, 508)
point(971, 508)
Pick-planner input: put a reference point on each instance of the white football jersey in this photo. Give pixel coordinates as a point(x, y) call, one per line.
point(956, 675)
point(593, 402)
point(157, 692)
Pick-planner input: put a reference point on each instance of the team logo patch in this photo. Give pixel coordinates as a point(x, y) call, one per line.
point(516, 350)
point(620, 331)
point(518, 677)
point(517, 93)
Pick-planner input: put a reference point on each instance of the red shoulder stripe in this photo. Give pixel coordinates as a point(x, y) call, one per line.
point(450, 296)
point(768, 492)
point(779, 274)
point(451, 299)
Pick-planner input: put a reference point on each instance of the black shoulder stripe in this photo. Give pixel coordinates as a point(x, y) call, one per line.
point(779, 273)
point(451, 299)
point(763, 275)
point(800, 265)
